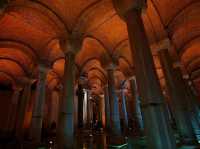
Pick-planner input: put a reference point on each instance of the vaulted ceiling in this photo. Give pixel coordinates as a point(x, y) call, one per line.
point(30, 31)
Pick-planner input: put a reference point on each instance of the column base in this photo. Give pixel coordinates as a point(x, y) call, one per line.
point(159, 134)
point(116, 141)
point(66, 143)
point(68, 146)
point(188, 141)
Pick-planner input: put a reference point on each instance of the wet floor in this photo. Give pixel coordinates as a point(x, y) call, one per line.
point(97, 140)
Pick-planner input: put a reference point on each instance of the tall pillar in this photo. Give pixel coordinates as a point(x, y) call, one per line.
point(188, 100)
point(38, 108)
point(107, 107)
point(65, 137)
point(26, 95)
point(90, 110)
point(114, 105)
point(54, 106)
point(85, 104)
point(193, 108)
point(178, 98)
point(75, 109)
point(80, 94)
point(192, 99)
point(159, 133)
point(137, 106)
point(12, 114)
point(124, 109)
point(103, 111)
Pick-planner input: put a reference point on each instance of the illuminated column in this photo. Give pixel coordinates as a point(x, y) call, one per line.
point(103, 111)
point(124, 110)
point(114, 105)
point(193, 107)
point(26, 95)
point(188, 102)
point(65, 137)
point(80, 94)
point(193, 103)
point(75, 108)
point(178, 97)
point(137, 105)
point(38, 108)
point(12, 114)
point(159, 133)
point(107, 107)
point(90, 110)
point(85, 104)
point(54, 106)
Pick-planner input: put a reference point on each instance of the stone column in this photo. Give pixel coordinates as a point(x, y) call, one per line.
point(26, 95)
point(12, 114)
point(159, 133)
point(107, 107)
point(115, 137)
point(38, 108)
point(189, 106)
point(193, 103)
point(124, 110)
point(114, 105)
point(85, 104)
point(90, 110)
point(54, 106)
point(193, 107)
point(178, 98)
point(75, 109)
point(137, 107)
point(80, 95)
point(103, 112)
point(65, 137)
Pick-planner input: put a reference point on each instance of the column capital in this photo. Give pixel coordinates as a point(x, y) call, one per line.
point(43, 68)
point(186, 76)
point(111, 66)
point(162, 45)
point(44, 64)
point(59, 87)
point(123, 6)
point(24, 81)
point(70, 52)
point(177, 64)
point(17, 88)
point(71, 44)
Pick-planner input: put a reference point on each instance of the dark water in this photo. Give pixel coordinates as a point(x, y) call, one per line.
point(89, 140)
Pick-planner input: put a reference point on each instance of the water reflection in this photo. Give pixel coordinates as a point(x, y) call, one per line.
point(100, 141)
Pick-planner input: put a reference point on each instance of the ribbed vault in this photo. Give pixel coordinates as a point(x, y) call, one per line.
point(31, 32)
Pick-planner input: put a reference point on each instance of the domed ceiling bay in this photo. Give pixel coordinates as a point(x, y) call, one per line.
point(38, 33)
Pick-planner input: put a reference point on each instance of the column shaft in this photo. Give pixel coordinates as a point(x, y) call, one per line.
point(22, 111)
point(12, 114)
point(54, 107)
point(193, 108)
point(114, 105)
point(66, 118)
point(80, 94)
point(38, 108)
point(178, 98)
point(124, 109)
point(107, 107)
point(138, 119)
point(159, 134)
point(103, 113)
